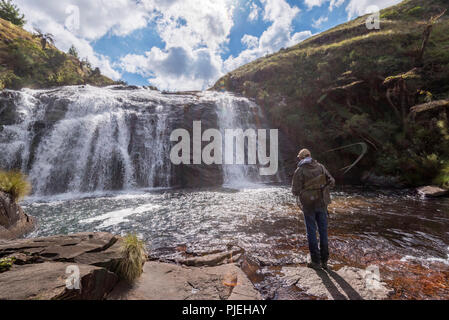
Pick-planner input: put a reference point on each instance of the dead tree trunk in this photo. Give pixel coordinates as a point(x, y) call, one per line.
point(426, 37)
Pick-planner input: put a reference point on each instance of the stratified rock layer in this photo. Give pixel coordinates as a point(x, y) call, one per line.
point(43, 265)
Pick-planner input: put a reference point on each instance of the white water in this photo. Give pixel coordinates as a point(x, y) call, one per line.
point(233, 113)
point(83, 139)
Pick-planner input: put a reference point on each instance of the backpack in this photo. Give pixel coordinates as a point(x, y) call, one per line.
point(314, 183)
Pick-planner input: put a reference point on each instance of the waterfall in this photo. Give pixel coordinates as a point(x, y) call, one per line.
point(81, 139)
point(237, 113)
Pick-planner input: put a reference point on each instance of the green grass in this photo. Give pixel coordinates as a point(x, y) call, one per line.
point(14, 183)
point(6, 263)
point(26, 64)
point(442, 179)
point(134, 255)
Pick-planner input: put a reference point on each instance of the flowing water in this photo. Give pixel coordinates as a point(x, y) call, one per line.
point(406, 236)
point(86, 139)
point(98, 160)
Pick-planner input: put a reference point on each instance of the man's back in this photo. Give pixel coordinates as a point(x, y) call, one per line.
point(311, 182)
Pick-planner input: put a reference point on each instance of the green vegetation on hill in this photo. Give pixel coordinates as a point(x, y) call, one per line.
point(352, 84)
point(26, 62)
point(11, 12)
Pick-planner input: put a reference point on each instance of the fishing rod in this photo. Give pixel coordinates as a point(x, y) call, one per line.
point(364, 150)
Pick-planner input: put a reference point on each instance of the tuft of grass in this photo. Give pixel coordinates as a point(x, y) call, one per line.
point(134, 255)
point(6, 263)
point(15, 183)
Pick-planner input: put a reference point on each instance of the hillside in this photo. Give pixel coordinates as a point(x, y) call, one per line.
point(351, 84)
point(23, 63)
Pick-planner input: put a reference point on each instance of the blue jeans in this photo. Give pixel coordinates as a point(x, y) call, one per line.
point(314, 218)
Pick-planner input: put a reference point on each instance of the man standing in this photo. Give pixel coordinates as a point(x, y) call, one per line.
point(311, 184)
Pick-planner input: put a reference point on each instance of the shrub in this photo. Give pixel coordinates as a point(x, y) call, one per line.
point(134, 255)
point(10, 12)
point(6, 263)
point(443, 177)
point(14, 183)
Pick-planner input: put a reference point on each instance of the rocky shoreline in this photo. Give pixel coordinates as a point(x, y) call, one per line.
point(43, 267)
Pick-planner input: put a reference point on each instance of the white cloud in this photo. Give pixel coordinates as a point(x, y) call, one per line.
point(318, 3)
point(314, 3)
point(250, 41)
point(359, 7)
point(254, 12)
point(277, 35)
point(175, 68)
point(195, 33)
point(335, 4)
point(317, 23)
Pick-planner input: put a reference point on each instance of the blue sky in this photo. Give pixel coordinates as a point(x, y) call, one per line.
point(184, 44)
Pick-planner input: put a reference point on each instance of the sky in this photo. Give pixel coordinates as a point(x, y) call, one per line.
point(179, 45)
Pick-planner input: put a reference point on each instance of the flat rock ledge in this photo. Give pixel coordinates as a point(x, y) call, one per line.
point(166, 281)
point(347, 283)
point(43, 265)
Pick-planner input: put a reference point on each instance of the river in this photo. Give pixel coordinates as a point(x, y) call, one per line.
point(406, 236)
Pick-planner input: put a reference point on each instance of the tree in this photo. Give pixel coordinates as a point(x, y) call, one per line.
point(45, 38)
point(72, 51)
point(10, 12)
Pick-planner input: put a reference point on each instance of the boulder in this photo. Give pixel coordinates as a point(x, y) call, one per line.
point(432, 192)
point(14, 222)
point(47, 281)
point(165, 281)
point(347, 283)
point(93, 248)
point(39, 270)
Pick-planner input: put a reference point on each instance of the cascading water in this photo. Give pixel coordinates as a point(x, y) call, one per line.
point(81, 139)
point(240, 113)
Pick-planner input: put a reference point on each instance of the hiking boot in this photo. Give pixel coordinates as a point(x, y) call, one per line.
point(313, 265)
point(324, 265)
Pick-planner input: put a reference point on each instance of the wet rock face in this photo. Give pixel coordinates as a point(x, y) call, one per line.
point(42, 266)
point(113, 139)
point(13, 221)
